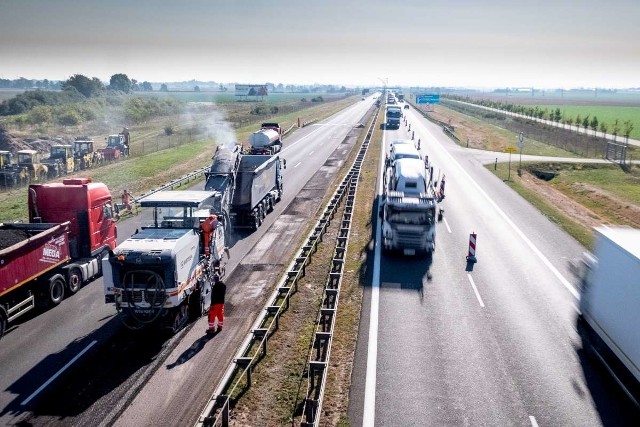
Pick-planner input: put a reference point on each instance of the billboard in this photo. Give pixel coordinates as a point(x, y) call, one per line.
point(251, 90)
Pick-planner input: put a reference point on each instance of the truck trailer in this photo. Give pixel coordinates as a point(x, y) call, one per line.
point(71, 227)
point(258, 188)
point(609, 318)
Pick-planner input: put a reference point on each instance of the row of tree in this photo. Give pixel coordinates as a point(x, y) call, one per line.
point(557, 116)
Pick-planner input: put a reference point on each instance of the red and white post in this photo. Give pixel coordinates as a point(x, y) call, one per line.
point(471, 256)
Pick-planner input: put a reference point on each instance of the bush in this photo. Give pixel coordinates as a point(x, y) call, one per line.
point(317, 99)
point(68, 117)
point(274, 110)
point(168, 130)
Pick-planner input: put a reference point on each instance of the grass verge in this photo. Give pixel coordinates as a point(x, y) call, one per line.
point(578, 197)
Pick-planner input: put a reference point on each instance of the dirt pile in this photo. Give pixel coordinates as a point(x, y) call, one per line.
point(12, 142)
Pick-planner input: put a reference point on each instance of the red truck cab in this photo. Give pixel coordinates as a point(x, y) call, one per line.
point(86, 205)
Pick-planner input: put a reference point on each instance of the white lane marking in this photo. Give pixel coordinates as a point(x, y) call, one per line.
point(311, 152)
point(369, 415)
point(534, 423)
point(506, 218)
point(57, 374)
point(473, 285)
point(299, 163)
point(447, 224)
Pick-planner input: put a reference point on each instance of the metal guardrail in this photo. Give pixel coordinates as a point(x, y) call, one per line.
point(254, 346)
point(320, 352)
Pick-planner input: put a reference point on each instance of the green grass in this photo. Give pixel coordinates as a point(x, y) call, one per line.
point(581, 233)
point(584, 184)
point(605, 114)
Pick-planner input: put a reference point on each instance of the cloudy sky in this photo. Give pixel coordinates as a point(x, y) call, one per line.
point(474, 43)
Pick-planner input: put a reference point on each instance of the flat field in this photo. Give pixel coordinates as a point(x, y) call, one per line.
point(606, 106)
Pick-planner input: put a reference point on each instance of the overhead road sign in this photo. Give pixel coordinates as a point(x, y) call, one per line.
point(427, 99)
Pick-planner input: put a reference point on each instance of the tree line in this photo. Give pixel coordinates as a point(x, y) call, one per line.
point(555, 115)
point(76, 88)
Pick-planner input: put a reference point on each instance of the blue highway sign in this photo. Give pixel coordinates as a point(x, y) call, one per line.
point(427, 99)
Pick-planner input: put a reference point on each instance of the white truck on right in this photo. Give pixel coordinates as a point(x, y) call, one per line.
point(609, 318)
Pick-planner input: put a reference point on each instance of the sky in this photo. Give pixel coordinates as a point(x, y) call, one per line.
point(449, 43)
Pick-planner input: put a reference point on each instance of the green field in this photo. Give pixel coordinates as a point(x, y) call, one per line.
point(605, 114)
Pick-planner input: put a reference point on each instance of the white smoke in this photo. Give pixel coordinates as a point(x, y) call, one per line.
point(212, 123)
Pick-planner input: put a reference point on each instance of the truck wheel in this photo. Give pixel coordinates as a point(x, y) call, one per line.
point(56, 289)
point(180, 318)
point(100, 256)
point(75, 280)
point(3, 321)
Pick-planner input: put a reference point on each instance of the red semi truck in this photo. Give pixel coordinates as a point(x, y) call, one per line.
point(71, 226)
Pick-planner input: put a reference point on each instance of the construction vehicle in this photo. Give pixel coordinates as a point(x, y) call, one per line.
point(9, 172)
point(394, 113)
point(268, 140)
point(246, 186)
point(31, 166)
point(60, 161)
point(409, 208)
point(163, 274)
point(83, 152)
point(609, 312)
point(117, 145)
point(71, 227)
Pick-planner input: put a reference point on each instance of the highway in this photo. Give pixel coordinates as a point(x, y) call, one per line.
point(444, 342)
point(76, 364)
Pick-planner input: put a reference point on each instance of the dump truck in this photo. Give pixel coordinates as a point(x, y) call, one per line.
point(246, 187)
point(71, 227)
point(163, 274)
point(609, 310)
point(258, 188)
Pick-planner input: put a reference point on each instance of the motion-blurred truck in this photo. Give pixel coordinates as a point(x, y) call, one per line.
point(268, 140)
point(163, 274)
point(609, 318)
point(71, 227)
point(409, 208)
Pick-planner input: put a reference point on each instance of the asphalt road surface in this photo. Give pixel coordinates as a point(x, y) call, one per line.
point(444, 342)
point(77, 365)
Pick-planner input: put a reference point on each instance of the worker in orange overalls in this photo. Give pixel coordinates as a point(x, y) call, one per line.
point(216, 309)
point(208, 228)
point(126, 200)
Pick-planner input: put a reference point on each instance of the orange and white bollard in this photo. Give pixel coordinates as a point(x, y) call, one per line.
point(471, 256)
